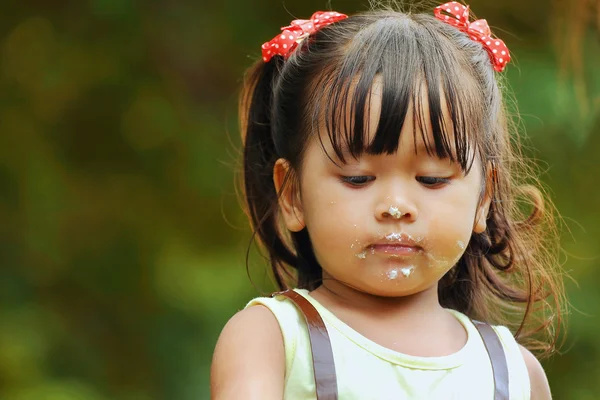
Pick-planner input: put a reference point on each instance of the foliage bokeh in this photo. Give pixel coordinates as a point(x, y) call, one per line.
point(123, 242)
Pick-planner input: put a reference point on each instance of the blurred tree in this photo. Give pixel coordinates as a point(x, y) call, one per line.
point(123, 244)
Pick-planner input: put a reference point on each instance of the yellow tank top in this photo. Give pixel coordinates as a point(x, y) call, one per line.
point(366, 370)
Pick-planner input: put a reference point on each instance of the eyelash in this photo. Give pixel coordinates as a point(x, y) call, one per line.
point(362, 180)
point(357, 181)
point(431, 181)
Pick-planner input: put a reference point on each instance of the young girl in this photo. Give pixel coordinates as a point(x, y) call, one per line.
point(382, 180)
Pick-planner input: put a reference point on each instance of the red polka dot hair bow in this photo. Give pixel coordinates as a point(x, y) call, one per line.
point(457, 15)
point(285, 43)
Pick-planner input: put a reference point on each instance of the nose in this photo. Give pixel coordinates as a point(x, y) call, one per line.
point(396, 208)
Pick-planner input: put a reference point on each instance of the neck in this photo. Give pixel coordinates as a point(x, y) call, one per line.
point(414, 324)
point(416, 305)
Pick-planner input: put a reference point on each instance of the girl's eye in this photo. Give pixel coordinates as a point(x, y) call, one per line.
point(433, 182)
point(357, 180)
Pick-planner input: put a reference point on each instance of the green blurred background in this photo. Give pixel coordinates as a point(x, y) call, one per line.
point(122, 241)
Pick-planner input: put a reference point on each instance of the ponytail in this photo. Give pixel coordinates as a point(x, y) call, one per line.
point(260, 155)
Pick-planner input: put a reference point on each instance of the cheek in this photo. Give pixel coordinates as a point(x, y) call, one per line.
point(451, 236)
point(451, 227)
point(337, 219)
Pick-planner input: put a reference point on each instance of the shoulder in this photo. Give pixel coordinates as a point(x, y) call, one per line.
point(540, 389)
point(249, 359)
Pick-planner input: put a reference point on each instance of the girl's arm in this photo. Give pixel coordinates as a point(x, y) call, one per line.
point(540, 389)
point(249, 359)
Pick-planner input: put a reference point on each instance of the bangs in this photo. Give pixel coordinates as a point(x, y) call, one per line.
point(417, 71)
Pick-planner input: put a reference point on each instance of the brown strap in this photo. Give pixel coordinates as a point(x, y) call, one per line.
point(324, 367)
point(497, 357)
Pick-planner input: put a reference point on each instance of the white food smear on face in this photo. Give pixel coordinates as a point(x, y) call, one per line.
point(362, 255)
point(393, 236)
point(394, 212)
point(397, 236)
point(461, 244)
point(393, 274)
point(405, 271)
point(435, 262)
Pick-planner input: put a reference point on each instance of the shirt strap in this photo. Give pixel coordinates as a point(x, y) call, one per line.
point(322, 355)
point(497, 357)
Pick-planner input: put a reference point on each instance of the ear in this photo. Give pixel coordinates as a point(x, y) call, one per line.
point(484, 205)
point(289, 197)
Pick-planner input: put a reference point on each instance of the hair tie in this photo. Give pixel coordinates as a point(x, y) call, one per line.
point(458, 16)
point(285, 43)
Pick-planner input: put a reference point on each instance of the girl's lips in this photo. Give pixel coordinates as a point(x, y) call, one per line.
point(395, 249)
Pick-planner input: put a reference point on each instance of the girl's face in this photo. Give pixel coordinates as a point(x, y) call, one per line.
point(387, 225)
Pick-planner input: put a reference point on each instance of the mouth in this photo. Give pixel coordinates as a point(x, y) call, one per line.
point(395, 249)
point(397, 244)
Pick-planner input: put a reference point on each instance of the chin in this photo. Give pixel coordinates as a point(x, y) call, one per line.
point(398, 287)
